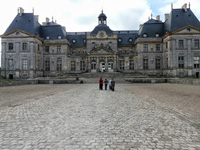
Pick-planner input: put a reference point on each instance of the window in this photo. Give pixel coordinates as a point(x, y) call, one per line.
point(166, 62)
point(145, 47)
point(157, 63)
point(10, 46)
point(166, 45)
point(38, 47)
point(157, 47)
point(93, 65)
point(47, 65)
point(145, 35)
point(119, 40)
point(59, 64)
point(59, 49)
point(145, 63)
point(196, 62)
point(196, 43)
point(24, 64)
point(24, 46)
point(73, 66)
point(180, 43)
point(82, 65)
point(47, 49)
point(10, 64)
point(131, 64)
point(181, 62)
point(121, 62)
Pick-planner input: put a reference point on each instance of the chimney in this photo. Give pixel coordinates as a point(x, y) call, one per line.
point(185, 7)
point(166, 16)
point(47, 20)
point(158, 18)
point(141, 25)
point(36, 17)
point(21, 11)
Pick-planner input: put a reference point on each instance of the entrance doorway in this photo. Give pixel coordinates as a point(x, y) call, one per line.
point(197, 74)
point(102, 67)
point(10, 76)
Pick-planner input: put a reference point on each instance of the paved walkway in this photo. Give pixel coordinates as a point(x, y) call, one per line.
point(87, 118)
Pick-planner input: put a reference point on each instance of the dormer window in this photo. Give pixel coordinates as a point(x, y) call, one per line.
point(59, 37)
point(145, 35)
point(47, 37)
point(73, 41)
point(157, 35)
point(119, 40)
point(130, 40)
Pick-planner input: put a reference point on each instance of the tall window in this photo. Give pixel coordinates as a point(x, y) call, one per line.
point(47, 49)
point(73, 66)
point(145, 47)
point(10, 46)
point(24, 46)
point(180, 44)
point(157, 63)
point(10, 64)
point(59, 64)
point(196, 43)
point(121, 62)
point(166, 45)
point(196, 62)
point(131, 64)
point(145, 63)
point(59, 49)
point(47, 65)
point(82, 65)
point(166, 62)
point(181, 62)
point(157, 47)
point(24, 64)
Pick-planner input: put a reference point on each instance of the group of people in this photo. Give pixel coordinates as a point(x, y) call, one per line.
point(111, 84)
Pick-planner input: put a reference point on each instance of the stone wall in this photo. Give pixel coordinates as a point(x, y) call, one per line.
point(20, 82)
point(185, 81)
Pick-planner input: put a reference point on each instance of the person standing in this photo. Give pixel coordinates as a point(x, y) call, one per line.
point(109, 83)
point(101, 83)
point(106, 84)
point(113, 85)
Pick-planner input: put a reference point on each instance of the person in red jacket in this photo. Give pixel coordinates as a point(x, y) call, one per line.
point(101, 83)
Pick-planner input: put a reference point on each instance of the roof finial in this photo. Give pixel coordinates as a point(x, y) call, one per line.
point(33, 10)
point(52, 18)
point(151, 15)
point(189, 4)
point(171, 6)
point(102, 11)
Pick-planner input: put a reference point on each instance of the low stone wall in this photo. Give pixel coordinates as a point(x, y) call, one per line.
point(148, 80)
point(20, 82)
point(185, 81)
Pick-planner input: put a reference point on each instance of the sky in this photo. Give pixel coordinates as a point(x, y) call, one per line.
point(81, 15)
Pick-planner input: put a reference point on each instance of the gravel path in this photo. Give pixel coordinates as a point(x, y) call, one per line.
point(74, 117)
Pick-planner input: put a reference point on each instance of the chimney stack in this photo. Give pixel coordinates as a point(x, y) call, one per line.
point(21, 11)
point(36, 17)
point(185, 7)
point(166, 16)
point(47, 20)
point(158, 18)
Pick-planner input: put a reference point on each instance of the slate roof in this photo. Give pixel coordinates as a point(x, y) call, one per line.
point(151, 28)
point(178, 18)
point(26, 22)
point(77, 39)
point(53, 30)
point(127, 37)
point(102, 15)
point(102, 27)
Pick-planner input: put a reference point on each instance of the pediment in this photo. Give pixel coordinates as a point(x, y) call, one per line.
point(102, 49)
point(188, 30)
point(16, 33)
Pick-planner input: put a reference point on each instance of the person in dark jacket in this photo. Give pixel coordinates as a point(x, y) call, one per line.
point(113, 85)
point(106, 84)
point(101, 83)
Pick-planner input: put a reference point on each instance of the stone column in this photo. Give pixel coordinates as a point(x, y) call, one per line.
point(115, 63)
point(189, 58)
point(17, 59)
point(3, 56)
point(106, 63)
point(32, 59)
point(98, 64)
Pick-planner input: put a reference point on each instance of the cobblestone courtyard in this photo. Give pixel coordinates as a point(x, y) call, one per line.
point(76, 117)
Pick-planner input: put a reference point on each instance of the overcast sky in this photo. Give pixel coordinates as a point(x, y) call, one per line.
point(81, 15)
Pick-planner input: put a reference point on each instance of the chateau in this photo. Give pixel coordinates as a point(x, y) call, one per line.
point(159, 48)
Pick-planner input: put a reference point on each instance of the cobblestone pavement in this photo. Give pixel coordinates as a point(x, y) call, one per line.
point(84, 117)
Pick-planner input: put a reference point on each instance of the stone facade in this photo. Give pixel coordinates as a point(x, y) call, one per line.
point(170, 48)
